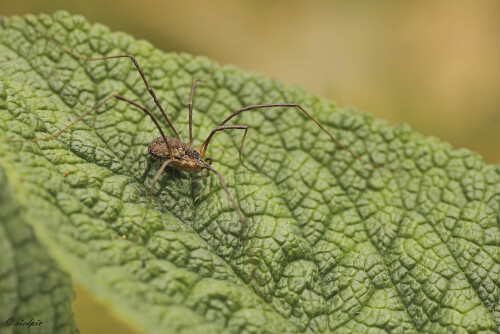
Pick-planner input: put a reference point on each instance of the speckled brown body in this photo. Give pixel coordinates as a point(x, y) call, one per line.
point(185, 157)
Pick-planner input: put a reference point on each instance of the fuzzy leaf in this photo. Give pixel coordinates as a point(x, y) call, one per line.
point(36, 294)
point(338, 246)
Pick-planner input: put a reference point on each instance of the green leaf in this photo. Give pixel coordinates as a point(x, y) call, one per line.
point(35, 294)
point(338, 246)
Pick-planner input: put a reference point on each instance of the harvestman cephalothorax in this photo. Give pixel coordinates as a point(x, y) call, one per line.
point(172, 151)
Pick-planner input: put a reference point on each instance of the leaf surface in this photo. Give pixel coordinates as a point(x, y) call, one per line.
point(35, 293)
point(338, 246)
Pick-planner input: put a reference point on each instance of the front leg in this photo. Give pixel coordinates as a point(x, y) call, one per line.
point(206, 175)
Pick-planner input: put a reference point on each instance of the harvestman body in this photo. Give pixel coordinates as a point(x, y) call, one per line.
point(172, 151)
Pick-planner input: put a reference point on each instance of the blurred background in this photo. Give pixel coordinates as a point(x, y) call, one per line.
point(432, 64)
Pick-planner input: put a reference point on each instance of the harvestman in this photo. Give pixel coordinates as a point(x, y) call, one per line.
point(172, 151)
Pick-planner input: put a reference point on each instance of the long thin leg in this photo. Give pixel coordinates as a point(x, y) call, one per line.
point(190, 104)
point(229, 196)
point(150, 90)
point(207, 174)
point(244, 228)
point(203, 148)
point(157, 177)
point(274, 105)
point(116, 96)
